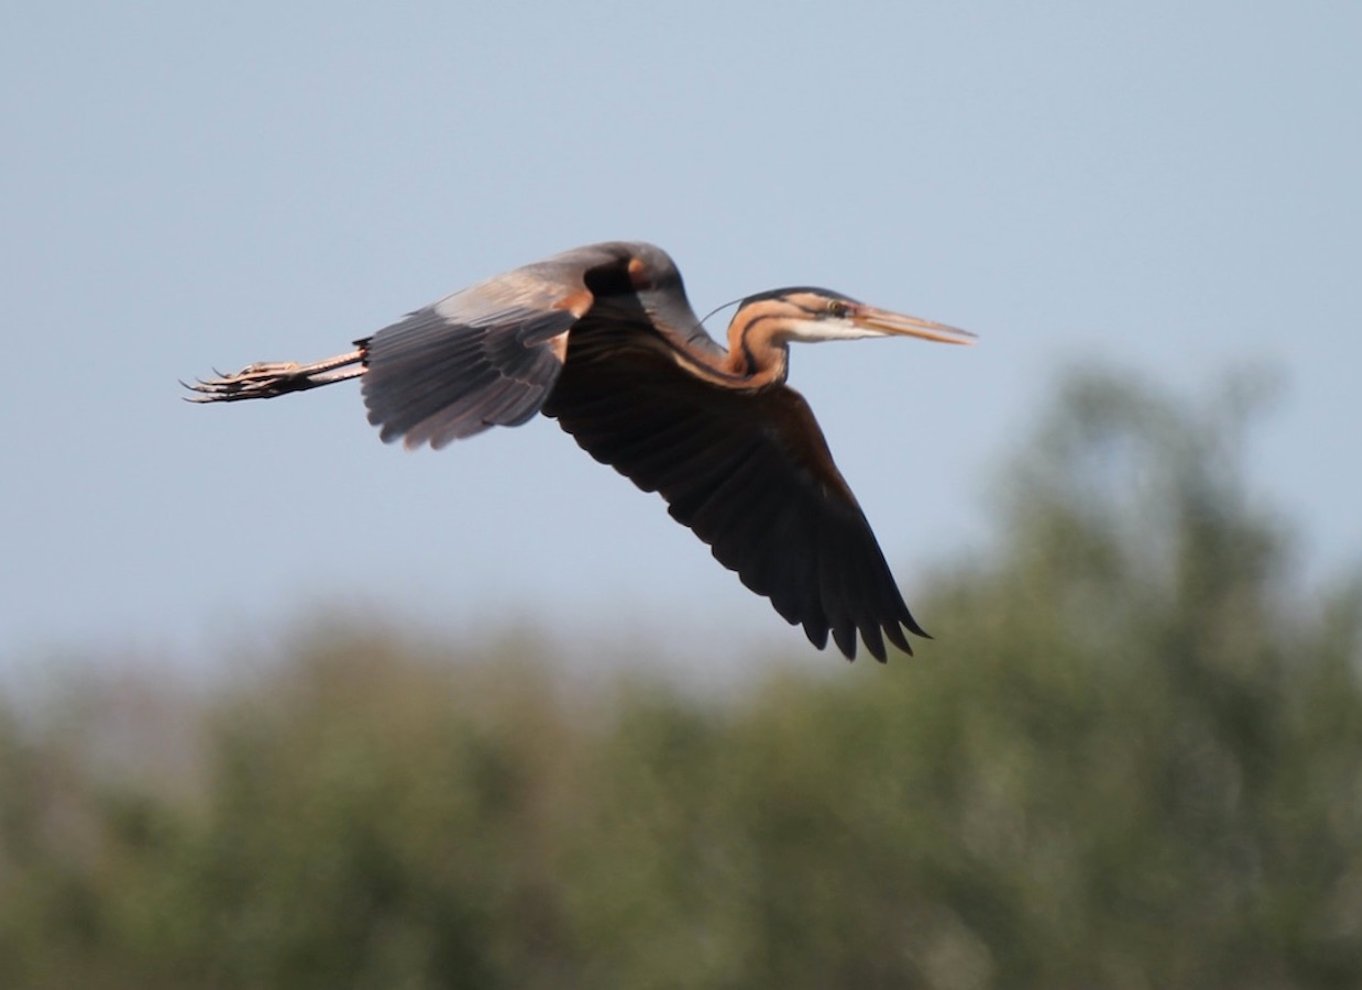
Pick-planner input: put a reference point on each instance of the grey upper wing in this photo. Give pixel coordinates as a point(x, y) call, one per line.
point(489, 354)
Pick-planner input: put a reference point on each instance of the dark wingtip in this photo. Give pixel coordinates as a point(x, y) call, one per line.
point(906, 617)
point(874, 642)
point(895, 633)
point(845, 638)
point(818, 634)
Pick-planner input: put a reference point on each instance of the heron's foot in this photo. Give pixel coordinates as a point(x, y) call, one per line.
point(266, 379)
point(262, 380)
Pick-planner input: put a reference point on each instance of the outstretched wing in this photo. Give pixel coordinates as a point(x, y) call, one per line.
point(749, 472)
point(488, 355)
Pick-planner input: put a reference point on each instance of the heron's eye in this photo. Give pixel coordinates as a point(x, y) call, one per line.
point(838, 309)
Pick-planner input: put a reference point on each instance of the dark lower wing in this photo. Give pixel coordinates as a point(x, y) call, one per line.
point(749, 473)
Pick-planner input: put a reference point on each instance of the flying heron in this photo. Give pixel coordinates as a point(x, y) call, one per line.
point(603, 339)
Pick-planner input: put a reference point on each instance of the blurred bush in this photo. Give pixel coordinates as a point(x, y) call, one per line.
point(1133, 760)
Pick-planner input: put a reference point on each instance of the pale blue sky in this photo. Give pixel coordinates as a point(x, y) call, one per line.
point(1173, 187)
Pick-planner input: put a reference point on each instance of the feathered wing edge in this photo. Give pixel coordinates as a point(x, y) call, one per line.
point(432, 379)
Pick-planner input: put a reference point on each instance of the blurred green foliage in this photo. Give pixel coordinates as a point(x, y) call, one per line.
point(1133, 760)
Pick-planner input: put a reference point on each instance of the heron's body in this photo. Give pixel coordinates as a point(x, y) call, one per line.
point(602, 339)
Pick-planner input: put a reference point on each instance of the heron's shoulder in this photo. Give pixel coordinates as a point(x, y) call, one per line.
point(607, 254)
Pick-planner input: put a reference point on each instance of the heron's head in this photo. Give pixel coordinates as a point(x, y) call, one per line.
point(808, 314)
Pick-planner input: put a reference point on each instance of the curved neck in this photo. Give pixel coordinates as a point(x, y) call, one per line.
point(757, 349)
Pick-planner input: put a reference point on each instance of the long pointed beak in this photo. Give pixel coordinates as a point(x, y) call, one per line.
point(884, 321)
